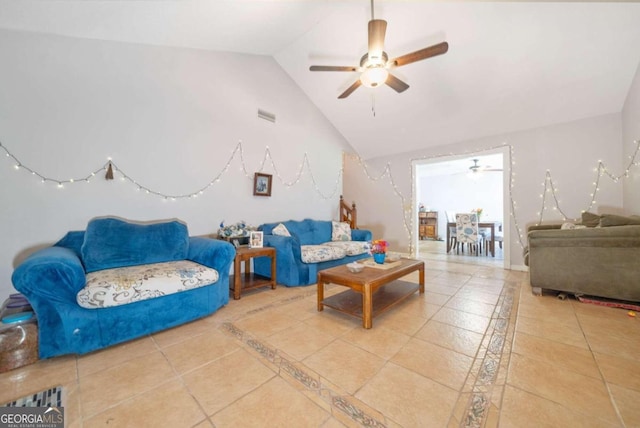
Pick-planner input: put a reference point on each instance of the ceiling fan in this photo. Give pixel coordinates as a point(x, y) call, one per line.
point(475, 168)
point(375, 64)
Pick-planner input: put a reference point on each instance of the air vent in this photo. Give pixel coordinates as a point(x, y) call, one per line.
point(266, 116)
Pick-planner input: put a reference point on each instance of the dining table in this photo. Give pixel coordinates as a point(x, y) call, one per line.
point(488, 224)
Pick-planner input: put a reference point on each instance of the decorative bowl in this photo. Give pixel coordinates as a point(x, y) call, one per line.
point(355, 267)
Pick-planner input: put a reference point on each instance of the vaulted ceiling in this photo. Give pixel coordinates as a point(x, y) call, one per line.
point(510, 66)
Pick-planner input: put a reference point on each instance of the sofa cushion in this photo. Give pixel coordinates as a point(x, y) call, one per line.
point(351, 248)
point(280, 230)
point(310, 232)
point(340, 231)
point(119, 286)
point(112, 242)
point(607, 220)
point(590, 219)
point(320, 253)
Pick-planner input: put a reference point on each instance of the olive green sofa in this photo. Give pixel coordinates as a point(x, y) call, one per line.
point(602, 260)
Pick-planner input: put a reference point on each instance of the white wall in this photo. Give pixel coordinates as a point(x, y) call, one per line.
point(570, 151)
point(631, 133)
point(170, 118)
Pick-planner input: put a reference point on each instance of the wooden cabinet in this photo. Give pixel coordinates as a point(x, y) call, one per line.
point(428, 224)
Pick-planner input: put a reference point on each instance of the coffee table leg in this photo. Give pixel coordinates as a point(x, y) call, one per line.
point(367, 307)
point(237, 281)
point(273, 272)
point(421, 279)
point(320, 295)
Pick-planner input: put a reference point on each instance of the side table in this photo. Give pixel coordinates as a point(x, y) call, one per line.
point(248, 279)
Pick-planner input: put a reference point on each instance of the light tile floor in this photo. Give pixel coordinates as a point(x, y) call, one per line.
point(476, 350)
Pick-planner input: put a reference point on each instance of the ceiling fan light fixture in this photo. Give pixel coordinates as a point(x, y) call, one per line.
point(375, 63)
point(374, 76)
point(369, 60)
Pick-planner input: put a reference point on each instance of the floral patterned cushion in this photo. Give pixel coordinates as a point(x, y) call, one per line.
point(119, 286)
point(340, 231)
point(280, 230)
point(352, 248)
point(320, 253)
point(467, 228)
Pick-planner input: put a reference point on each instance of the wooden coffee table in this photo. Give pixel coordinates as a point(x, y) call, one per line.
point(372, 291)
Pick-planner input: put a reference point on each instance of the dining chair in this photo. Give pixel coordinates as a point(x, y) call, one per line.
point(486, 237)
point(467, 233)
point(497, 238)
point(453, 240)
point(499, 235)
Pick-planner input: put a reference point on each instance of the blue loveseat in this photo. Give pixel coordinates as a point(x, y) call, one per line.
point(291, 269)
point(55, 280)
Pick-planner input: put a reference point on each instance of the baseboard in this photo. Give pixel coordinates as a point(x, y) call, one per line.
point(521, 268)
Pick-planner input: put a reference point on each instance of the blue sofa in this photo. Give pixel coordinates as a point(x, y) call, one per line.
point(290, 268)
point(53, 279)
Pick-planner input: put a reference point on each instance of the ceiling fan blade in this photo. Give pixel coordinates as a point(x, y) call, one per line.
point(475, 168)
point(350, 89)
point(332, 68)
point(377, 30)
point(425, 53)
point(397, 84)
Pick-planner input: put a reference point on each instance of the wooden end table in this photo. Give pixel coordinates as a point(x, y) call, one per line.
point(372, 291)
point(248, 280)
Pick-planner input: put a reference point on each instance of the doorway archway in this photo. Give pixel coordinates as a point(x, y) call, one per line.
point(448, 184)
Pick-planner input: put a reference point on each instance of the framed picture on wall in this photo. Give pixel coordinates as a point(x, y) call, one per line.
point(255, 239)
point(262, 184)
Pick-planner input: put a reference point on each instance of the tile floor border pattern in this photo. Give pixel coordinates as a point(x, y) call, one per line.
point(333, 399)
point(488, 374)
point(492, 359)
point(51, 397)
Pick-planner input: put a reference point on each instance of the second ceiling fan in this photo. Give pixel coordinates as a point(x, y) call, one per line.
point(475, 168)
point(375, 64)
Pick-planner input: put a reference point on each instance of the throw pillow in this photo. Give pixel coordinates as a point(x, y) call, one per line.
point(280, 230)
point(618, 220)
point(340, 231)
point(590, 219)
point(572, 226)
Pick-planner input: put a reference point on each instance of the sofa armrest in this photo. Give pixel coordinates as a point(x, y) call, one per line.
point(287, 248)
point(213, 253)
point(289, 266)
point(50, 275)
point(544, 227)
point(361, 235)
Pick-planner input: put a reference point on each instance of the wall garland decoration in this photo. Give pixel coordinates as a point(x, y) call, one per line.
point(548, 186)
point(110, 167)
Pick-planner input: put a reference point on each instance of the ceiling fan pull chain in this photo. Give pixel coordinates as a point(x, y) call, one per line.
point(373, 103)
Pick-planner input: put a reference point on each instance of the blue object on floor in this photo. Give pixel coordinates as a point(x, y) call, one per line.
point(18, 317)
